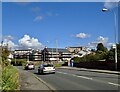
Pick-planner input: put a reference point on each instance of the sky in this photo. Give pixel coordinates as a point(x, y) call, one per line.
point(39, 24)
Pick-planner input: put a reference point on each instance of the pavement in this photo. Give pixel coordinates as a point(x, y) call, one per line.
point(91, 70)
point(29, 81)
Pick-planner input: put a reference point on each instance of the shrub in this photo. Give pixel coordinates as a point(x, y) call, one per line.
point(57, 64)
point(10, 78)
point(87, 58)
point(0, 76)
point(18, 62)
point(77, 59)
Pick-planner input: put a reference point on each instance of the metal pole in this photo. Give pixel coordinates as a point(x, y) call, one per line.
point(115, 40)
point(15, 59)
point(57, 50)
point(114, 36)
point(44, 55)
point(28, 58)
point(52, 52)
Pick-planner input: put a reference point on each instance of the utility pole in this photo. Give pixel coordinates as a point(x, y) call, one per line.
point(44, 55)
point(52, 52)
point(57, 50)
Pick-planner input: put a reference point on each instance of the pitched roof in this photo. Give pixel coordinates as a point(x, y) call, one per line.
point(59, 50)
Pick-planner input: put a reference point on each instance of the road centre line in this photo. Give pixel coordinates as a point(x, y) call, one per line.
point(113, 84)
point(84, 77)
point(75, 75)
point(89, 78)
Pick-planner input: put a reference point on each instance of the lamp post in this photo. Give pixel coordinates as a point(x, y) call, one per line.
point(115, 47)
point(45, 54)
point(28, 57)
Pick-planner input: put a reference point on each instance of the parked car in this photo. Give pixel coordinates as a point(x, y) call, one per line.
point(46, 68)
point(29, 66)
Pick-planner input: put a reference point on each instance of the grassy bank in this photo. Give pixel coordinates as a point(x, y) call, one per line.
point(0, 77)
point(57, 64)
point(10, 78)
point(0, 73)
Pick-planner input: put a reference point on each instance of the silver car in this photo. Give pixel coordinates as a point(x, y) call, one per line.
point(29, 66)
point(46, 68)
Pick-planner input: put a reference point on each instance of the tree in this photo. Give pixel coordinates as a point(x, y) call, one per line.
point(101, 51)
point(111, 54)
point(118, 51)
point(5, 54)
point(101, 48)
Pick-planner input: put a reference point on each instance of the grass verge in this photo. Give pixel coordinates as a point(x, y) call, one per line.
point(57, 64)
point(10, 78)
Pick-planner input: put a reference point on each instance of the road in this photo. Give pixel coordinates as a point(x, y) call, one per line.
point(66, 79)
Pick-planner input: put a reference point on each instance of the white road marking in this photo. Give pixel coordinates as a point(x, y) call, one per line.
point(85, 77)
point(76, 75)
point(113, 84)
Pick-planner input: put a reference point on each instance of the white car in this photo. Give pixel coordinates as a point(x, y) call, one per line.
point(29, 66)
point(46, 68)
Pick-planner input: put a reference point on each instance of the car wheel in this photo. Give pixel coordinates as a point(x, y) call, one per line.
point(41, 72)
point(38, 71)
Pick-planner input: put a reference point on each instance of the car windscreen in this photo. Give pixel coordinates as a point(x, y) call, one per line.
point(48, 65)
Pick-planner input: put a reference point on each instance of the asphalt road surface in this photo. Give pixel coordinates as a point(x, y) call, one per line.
point(65, 79)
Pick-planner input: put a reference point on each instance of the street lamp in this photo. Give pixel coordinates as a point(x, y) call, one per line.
point(28, 57)
point(45, 53)
point(106, 10)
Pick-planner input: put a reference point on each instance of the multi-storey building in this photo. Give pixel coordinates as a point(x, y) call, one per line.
point(47, 54)
point(75, 49)
point(53, 54)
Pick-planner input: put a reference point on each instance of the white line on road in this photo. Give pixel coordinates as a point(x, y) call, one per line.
point(76, 75)
point(85, 77)
point(113, 84)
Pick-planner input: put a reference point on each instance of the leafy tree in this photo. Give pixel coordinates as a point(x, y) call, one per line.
point(101, 48)
point(5, 53)
point(101, 51)
point(111, 53)
point(118, 51)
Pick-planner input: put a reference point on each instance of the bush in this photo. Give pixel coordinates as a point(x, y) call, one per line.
point(0, 76)
point(77, 59)
point(18, 62)
point(10, 78)
point(57, 64)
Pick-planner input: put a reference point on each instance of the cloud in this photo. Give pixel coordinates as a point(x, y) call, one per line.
point(38, 18)
point(82, 35)
point(100, 39)
point(7, 40)
point(12, 45)
point(23, 3)
point(9, 37)
point(28, 42)
point(35, 9)
point(44, 15)
point(110, 4)
point(52, 14)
